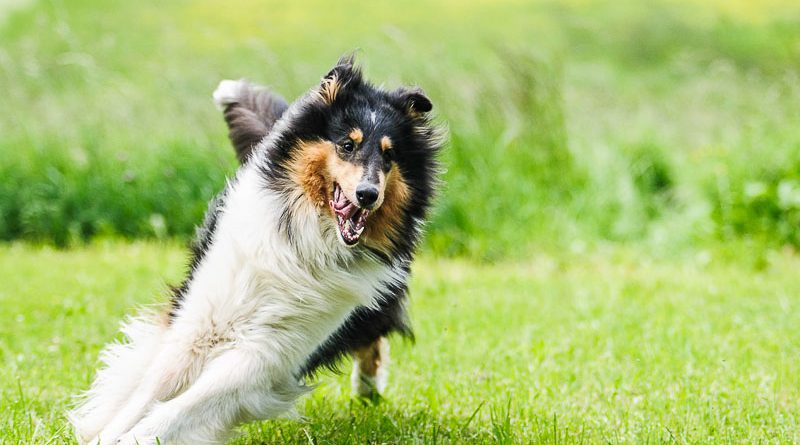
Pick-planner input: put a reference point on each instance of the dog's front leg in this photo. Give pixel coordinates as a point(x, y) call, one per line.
point(236, 386)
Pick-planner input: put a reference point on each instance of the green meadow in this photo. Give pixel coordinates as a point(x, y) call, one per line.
point(612, 259)
point(560, 348)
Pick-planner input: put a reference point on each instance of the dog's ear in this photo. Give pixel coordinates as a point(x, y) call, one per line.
point(344, 75)
point(412, 100)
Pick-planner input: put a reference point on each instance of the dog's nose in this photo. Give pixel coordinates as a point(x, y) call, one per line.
point(366, 194)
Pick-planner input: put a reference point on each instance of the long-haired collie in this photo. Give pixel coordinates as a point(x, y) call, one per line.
point(303, 258)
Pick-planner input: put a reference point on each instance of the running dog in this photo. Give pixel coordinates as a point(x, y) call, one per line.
point(302, 259)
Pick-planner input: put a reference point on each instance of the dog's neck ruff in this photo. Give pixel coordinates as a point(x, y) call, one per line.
point(255, 283)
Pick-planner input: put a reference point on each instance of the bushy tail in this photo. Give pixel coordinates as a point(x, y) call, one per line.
point(123, 367)
point(250, 112)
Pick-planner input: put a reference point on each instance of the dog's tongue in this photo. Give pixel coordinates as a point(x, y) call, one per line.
point(341, 205)
point(347, 211)
point(350, 218)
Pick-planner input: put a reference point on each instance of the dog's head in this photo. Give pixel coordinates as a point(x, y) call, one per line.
point(365, 157)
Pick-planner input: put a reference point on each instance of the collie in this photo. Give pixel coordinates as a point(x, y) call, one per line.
point(303, 258)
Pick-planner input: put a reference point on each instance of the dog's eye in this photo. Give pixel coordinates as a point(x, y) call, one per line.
point(348, 146)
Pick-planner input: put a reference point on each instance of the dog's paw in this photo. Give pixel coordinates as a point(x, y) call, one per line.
point(102, 439)
point(366, 389)
point(133, 438)
point(228, 92)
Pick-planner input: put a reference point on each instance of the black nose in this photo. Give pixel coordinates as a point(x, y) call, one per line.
point(366, 194)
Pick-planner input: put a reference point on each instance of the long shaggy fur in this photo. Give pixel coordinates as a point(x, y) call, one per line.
point(279, 283)
point(117, 379)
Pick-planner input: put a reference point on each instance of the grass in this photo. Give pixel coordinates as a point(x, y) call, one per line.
point(670, 123)
point(608, 345)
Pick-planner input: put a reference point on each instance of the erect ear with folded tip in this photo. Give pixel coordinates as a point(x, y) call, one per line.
point(345, 74)
point(413, 100)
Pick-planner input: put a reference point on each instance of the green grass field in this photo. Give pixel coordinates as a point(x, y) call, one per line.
point(613, 258)
point(606, 346)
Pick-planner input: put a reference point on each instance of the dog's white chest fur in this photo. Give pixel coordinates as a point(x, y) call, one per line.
point(253, 287)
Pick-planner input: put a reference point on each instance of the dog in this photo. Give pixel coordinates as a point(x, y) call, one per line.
point(303, 258)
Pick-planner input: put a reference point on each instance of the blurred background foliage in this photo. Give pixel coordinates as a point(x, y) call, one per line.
point(672, 124)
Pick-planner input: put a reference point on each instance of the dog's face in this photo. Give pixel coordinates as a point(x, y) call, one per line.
point(360, 148)
point(359, 171)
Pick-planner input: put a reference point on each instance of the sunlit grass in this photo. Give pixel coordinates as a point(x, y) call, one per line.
point(608, 345)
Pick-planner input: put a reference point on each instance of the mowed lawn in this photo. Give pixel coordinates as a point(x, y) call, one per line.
point(605, 346)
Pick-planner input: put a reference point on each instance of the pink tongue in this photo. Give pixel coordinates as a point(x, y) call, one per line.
point(342, 205)
point(339, 200)
point(347, 211)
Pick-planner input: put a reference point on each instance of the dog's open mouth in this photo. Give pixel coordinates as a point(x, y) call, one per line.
point(350, 218)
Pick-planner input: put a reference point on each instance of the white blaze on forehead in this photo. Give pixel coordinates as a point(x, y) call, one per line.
point(372, 116)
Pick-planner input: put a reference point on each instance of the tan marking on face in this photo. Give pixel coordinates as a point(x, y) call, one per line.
point(329, 89)
point(384, 223)
point(356, 135)
point(315, 167)
point(386, 143)
point(346, 174)
point(309, 170)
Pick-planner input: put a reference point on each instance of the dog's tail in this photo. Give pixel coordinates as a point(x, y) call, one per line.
point(250, 112)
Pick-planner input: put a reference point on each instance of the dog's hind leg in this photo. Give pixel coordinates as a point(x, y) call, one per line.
point(125, 364)
point(370, 369)
point(173, 368)
point(250, 112)
point(236, 386)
